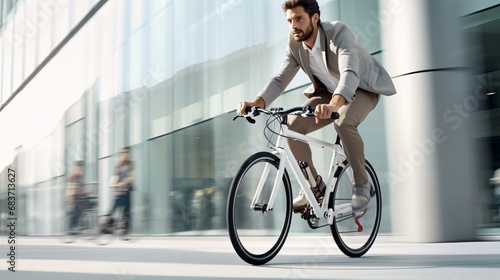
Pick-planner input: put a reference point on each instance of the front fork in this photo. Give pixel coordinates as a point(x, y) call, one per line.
point(278, 180)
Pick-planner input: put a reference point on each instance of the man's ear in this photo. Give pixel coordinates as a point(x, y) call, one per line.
point(315, 18)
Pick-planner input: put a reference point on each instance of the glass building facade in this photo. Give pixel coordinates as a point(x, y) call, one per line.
point(81, 79)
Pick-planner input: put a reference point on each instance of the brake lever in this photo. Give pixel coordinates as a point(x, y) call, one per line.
point(309, 112)
point(249, 119)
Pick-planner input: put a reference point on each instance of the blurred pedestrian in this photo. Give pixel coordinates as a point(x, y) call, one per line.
point(122, 184)
point(76, 194)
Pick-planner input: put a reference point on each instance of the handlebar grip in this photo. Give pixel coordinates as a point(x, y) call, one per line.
point(247, 111)
point(312, 109)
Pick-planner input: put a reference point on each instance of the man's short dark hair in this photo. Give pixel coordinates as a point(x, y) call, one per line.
point(310, 6)
point(79, 163)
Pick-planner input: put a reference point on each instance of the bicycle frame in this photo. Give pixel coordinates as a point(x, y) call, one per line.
point(267, 175)
point(287, 159)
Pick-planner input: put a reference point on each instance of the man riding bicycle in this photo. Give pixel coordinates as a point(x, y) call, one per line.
point(345, 79)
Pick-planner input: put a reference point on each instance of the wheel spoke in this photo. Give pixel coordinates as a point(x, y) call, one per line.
point(247, 225)
point(350, 241)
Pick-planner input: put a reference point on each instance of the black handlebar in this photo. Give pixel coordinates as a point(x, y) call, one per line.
point(307, 110)
point(249, 109)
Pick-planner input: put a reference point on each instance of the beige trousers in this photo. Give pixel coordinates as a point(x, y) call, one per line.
point(351, 116)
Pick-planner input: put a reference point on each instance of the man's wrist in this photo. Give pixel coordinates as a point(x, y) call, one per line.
point(337, 100)
point(333, 103)
point(259, 101)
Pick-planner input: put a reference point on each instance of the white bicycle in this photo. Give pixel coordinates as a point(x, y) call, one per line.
point(259, 208)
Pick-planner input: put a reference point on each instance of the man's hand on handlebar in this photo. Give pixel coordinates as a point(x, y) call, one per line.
point(324, 111)
point(257, 102)
point(330, 110)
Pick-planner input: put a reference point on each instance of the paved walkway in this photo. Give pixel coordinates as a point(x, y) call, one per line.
point(302, 257)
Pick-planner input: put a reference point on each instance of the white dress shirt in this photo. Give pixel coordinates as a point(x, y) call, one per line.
point(318, 66)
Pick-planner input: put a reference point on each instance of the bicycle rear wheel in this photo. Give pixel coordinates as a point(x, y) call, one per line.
point(68, 234)
point(89, 224)
point(258, 235)
point(345, 231)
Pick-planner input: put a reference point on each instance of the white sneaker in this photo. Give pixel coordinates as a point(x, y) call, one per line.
point(360, 198)
point(300, 202)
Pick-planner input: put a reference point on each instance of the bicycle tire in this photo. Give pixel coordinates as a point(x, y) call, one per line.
point(239, 214)
point(345, 235)
point(90, 224)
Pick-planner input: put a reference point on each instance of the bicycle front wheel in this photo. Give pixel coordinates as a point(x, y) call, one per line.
point(258, 233)
point(352, 240)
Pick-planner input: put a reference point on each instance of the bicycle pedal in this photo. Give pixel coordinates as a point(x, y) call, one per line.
point(358, 216)
point(300, 210)
point(320, 200)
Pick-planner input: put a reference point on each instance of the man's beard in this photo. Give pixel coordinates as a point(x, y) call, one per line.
point(305, 34)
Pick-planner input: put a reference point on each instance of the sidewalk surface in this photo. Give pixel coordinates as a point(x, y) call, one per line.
point(209, 257)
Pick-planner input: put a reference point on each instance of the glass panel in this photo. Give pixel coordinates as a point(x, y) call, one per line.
point(79, 9)
point(57, 162)
point(135, 54)
point(104, 193)
point(137, 102)
point(92, 134)
point(140, 197)
point(43, 22)
point(36, 209)
point(18, 43)
point(3, 211)
point(30, 37)
point(22, 211)
point(158, 5)
point(2, 99)
point(362, 16)
point(42, 219)
point(74, 149)
point(160, 109)
point(8, 48)
point(119, 17)
point(193, 180)
point(163, 201)
point(42, 156)
point(119, 111)
point(467, 6)
point(58, 206)
point(60, 11)
point(137, 10)
point(105, 128)
point(158, 69)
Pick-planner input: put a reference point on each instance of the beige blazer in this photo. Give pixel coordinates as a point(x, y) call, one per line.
point(345, 59)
